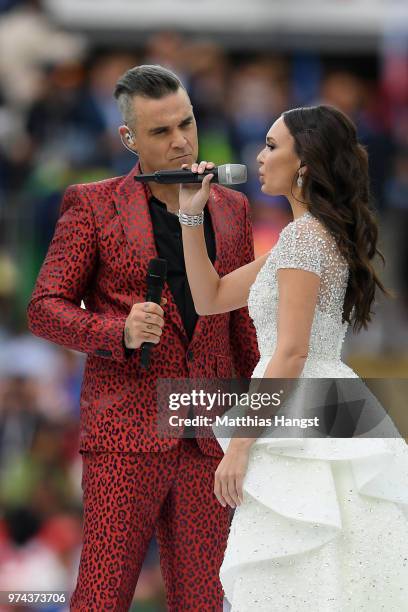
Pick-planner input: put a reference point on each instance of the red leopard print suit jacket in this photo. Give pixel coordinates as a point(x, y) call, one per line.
point(100, 251)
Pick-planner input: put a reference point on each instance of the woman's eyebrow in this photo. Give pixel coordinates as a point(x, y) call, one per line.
point(270, 139)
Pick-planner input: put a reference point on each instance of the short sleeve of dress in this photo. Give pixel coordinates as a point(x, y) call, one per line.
point(301, 245)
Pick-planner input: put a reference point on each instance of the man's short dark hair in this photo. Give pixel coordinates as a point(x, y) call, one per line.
point(148, 81)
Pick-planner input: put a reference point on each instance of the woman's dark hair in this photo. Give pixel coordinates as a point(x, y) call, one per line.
point(337, 189)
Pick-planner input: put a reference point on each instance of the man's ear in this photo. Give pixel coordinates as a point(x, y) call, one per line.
point(127, 138)
point(126, 135)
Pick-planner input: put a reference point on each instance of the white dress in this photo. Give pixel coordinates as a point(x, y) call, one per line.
point(324, 522)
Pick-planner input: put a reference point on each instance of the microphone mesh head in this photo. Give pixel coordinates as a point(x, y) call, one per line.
point(232, 174)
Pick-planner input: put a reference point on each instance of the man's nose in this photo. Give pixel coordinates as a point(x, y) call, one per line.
point(178, 141)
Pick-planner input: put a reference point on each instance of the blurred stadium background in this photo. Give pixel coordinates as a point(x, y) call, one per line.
point(243, 63)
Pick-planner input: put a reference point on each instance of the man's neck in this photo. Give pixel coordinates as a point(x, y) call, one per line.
point(168, 194)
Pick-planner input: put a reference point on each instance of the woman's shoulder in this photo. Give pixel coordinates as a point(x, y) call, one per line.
point(304, 229)
point(306, 239)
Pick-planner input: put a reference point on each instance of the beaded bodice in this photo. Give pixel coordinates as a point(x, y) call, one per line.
point(305, 244)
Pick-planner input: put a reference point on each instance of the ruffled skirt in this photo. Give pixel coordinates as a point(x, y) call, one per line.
point(324, 523)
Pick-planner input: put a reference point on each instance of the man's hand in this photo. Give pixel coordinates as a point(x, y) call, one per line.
point(144, 324)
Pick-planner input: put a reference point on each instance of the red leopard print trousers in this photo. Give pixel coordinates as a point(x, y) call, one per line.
point(129, 496)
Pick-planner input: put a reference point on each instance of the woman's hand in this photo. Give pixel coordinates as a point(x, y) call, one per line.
point(230, 474)
point(193, 196)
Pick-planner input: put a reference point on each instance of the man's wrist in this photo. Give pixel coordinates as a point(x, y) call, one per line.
point(128, 351)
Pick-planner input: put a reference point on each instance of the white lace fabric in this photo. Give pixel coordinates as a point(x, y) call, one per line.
point(324, 523)
point(303, 244)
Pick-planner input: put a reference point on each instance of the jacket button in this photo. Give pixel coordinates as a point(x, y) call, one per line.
point(190, 355)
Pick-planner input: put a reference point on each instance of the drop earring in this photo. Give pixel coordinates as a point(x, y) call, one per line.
point(299, 181)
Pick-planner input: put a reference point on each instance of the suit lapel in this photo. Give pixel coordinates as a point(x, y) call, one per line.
point(217, 219)
point(131, 202)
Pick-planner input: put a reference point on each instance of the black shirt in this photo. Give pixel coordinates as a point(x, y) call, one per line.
point(169, 245)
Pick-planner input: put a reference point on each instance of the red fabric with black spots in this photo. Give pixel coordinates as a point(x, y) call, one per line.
point(134, 480)
point(130, 496)
point(100, 251)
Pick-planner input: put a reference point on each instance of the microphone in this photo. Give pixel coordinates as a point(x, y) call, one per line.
point(228, 174)
point(155, 279)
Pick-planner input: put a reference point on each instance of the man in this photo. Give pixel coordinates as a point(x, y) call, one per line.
point(134, 482)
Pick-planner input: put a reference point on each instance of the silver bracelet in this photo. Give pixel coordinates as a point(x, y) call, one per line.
point(191, 220)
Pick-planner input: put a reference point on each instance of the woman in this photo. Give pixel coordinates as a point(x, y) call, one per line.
point(321, 526)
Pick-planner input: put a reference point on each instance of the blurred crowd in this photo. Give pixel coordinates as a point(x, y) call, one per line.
point(58, 125)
